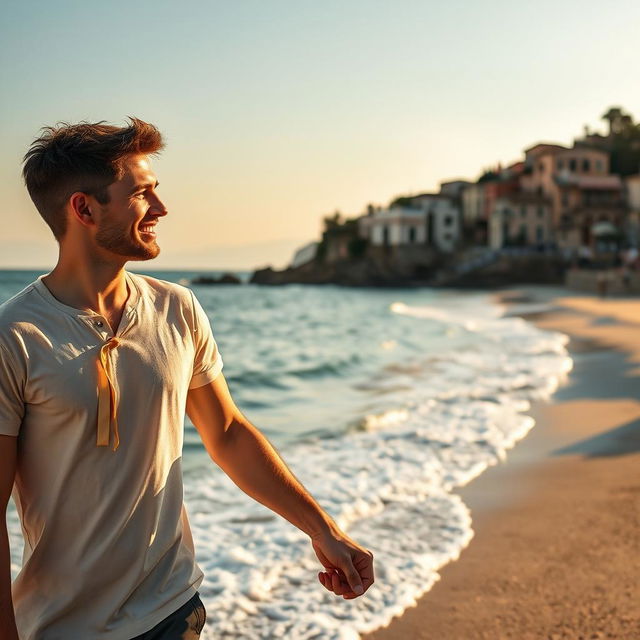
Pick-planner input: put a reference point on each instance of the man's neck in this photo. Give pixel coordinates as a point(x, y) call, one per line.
point(102, 290)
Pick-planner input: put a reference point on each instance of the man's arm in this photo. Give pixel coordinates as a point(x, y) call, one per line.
point(250, 460)
point(8, 454)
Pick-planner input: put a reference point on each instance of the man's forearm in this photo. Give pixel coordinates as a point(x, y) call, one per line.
point(7, 620)
point(250, 460)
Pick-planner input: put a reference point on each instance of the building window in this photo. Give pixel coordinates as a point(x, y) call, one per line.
point(539, 234)
point(523, 233)
point(412, 235)
point(448, 221)
point(586, 165)
point(541, 167)
point(540, 212)
point(565, 199)
point(560, 164)
point(599, 165)
point(572, 164)
point(523, 211)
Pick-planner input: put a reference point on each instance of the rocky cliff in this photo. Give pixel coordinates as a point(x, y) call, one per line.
point(401, 269)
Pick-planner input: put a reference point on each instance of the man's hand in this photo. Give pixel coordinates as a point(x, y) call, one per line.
point(348, 566)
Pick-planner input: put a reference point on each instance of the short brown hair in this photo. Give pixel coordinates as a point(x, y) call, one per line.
point(85, 157)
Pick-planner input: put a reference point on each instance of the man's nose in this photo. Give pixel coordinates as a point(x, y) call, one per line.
point(158, 207)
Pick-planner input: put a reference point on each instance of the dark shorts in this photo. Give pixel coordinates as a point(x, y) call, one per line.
point(184, 624)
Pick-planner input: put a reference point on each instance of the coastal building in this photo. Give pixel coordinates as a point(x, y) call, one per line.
point(443, 219)
point(341, 239)
point(586, 203)
point(473, 204)
point(521, 219)
point(541, 148)
point(454, 188)
point(500, 183)
point(632, 190)
point(581, 191)
point(394, 226)
point(478, 200)
point(632, 196)
point(426, 219)
point(473, 219)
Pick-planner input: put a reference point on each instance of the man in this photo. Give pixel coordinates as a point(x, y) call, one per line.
point(97, 368)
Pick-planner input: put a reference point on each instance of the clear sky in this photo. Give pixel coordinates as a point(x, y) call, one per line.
point(279, 112)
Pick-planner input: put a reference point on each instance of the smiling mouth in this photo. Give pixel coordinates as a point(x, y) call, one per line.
point(147, 231)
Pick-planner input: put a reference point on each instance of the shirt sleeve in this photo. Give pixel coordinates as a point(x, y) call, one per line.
point(207, 361)
point(11, 396)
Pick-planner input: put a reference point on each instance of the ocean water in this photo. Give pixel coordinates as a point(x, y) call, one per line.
point(383, 403)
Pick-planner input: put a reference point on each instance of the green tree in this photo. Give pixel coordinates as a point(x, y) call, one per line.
point(333, 221)
point(624, 142)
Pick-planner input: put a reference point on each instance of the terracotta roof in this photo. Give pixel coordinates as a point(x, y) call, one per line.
point(549, 147)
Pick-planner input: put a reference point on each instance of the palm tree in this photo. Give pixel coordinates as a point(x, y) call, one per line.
point(614, 116)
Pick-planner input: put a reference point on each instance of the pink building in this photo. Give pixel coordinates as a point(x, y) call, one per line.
point(579, 187)
point(521, 219)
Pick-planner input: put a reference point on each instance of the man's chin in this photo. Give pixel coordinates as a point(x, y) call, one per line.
point(144, 251)
point(130, 250)
point(148, 255)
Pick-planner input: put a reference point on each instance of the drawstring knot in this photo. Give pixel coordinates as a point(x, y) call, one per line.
point(107, 402)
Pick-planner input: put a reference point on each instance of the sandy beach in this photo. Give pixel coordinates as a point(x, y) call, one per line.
point(556, 551)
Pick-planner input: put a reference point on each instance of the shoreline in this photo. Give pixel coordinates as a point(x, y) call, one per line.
point(556, 524)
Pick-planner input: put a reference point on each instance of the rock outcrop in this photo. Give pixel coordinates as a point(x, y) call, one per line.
point(374, 269)
point(225, 278)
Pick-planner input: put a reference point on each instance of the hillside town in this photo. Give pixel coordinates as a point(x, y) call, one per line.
point(554, 209)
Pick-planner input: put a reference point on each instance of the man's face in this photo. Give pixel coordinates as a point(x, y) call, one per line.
point(126, 225)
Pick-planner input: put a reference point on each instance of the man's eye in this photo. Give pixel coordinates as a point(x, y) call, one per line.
point(140, 195)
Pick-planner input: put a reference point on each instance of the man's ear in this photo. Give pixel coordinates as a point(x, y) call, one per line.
point(80, 205)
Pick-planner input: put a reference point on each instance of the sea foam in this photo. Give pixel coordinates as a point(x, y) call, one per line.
point(390, 484)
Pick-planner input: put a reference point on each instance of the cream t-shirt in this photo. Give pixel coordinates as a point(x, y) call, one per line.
point(108, 549)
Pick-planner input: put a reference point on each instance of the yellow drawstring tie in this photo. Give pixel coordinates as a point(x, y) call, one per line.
point(107, 404)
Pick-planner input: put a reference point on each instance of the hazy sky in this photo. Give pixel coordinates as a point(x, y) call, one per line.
point(279, 112)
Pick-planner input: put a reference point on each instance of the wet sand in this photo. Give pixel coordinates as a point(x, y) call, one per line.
point(556, 552)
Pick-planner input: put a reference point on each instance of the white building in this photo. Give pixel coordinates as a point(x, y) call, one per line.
point(432, 219)
point(454, 188)
point(443, 219)
point(395, 226)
